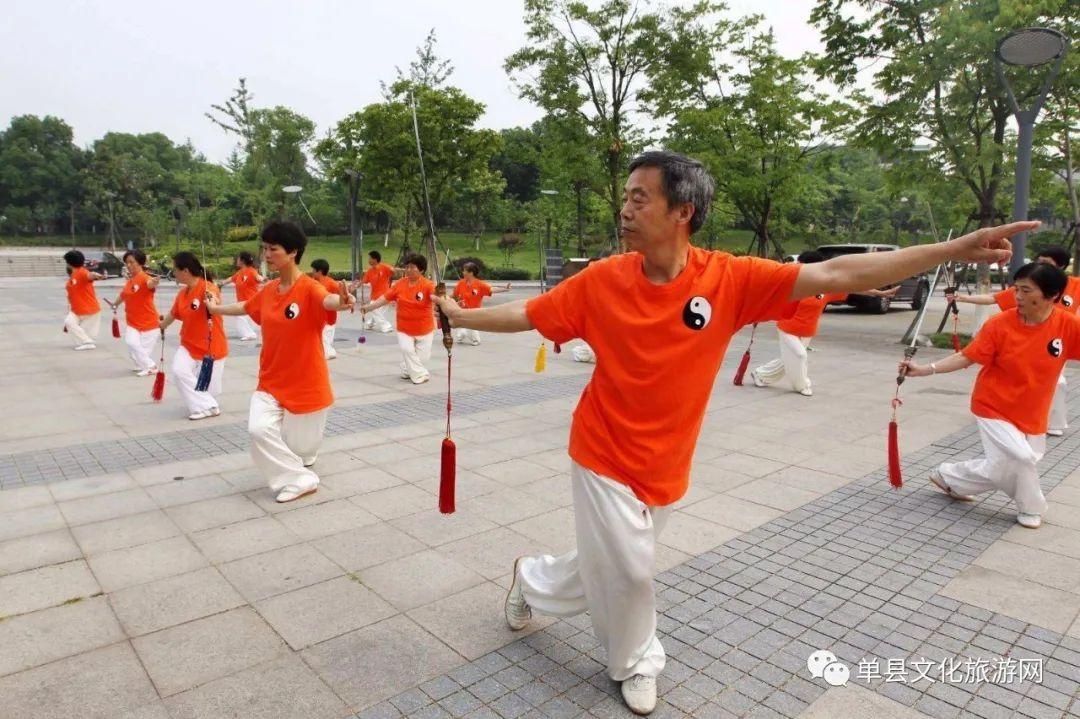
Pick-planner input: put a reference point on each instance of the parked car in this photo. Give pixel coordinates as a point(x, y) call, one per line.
point(104, 263)
point(914, 290)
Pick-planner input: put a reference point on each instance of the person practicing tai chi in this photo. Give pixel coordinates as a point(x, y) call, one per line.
point(83, 319)
point(378, 276)
point(1022, 352)
point(288, 411)
point(470, 292)
point(247, 281)
point(1070, 302)
point(320, 272)
point(201, 334)
point(140, 313)
point(795, 334)
point(415, 317)
point(659, 319)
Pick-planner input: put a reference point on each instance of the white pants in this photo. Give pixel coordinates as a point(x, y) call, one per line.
point(583, 353)
point(1008, 464)
point(1059, 418)
point(328, 342)
point(376, 319)
point(464, 336)
point(283, 442)
point(609, 575)
point(415, 351)
point(140, 345)
point(185, 371)
point(246, 327)
point(792, 363)
point(85, 328)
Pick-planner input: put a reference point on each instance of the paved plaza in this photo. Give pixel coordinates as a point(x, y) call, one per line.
point(146, 571)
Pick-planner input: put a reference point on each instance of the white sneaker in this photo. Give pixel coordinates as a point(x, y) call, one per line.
point(422, 380)
point(757, 380)
point(86, 346)
point(1055, 432)
point(147, 372)
point(806, 392)
point(1031, 521)
point(199, 415)
point(517, 610)
point(938, 481)
point(252, 338)
point(639, 693)
point(214, 411)
point(291, 492)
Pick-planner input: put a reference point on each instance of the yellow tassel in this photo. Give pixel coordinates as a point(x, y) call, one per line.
point(541, 358)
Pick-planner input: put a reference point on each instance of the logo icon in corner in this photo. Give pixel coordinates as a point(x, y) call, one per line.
point(823, 664)
point(697, 313)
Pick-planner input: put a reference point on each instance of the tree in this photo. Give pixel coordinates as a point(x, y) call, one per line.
point(934, 78)
point(479, 195)
point(590, 64)
point(39, 172)
point(752, 114)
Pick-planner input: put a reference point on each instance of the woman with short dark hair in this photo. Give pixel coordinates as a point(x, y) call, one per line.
point(141, 320)
point(293, 398)
point(247, 281)
point(1022, 352)
point(201, 334)
point(83, 319)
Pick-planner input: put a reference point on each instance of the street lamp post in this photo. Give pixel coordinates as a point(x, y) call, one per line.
point(543, 273)
point(1029, 47)
point(112, 222)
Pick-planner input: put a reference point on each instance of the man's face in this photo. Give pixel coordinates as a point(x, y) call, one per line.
point(372, 262)
point(646, 218)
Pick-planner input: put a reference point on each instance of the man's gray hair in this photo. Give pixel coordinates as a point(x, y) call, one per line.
point(683, 179)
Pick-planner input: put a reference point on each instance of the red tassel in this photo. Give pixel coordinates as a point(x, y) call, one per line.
point(894, 457)
point(741, 372)
point(447, 476)
point(159, 385)
point(115, 327)
point(956, 342)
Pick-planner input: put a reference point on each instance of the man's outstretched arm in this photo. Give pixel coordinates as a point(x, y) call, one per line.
point(851, 273)
point(509, 317)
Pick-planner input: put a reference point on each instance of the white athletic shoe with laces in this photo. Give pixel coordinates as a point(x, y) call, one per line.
point(639, 693)
point(1031, 521)
point(518, 612)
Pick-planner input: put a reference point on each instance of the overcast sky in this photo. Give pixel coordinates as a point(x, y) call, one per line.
point(145, 66)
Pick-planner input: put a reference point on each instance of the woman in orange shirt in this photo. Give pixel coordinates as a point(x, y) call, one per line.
point(289, 408)
point(247, 281)
point(796, 332)
point(379, 275)
point(470, 292)
point(140, 313)
point(415, 318)
point(200, 334)
point(1022, 352)
point(320, 272)
point(84, 318)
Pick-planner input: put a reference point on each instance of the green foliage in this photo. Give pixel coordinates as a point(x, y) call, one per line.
point(509, 274)
point(244, 233)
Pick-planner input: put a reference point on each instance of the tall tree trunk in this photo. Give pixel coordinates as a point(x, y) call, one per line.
point(1074, 202)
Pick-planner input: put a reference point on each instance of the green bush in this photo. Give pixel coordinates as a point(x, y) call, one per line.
point(244, 233)
point(508, 273)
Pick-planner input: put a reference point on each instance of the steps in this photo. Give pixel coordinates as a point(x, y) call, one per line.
point(31, 263)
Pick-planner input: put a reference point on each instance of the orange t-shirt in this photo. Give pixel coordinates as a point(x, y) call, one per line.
point(1020, 366)
point(1070, 299)
point(415, 309)
point(190, 308)
point(80, 292)
point(808, 314)
point(658, 349)
point(331, 286)
point(379, 279)
point(292, 367)
point(472, 294)
point(139, 309)
point(246, 282)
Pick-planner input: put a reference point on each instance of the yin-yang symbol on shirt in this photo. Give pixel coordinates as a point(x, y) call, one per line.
point(820, 297)
point(195, 303)
point(1067, 300)
point(292, 311)
point(1055, 347)
point(697, 313)
point(475, 293)
point(419, 296)
point(135, 288)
